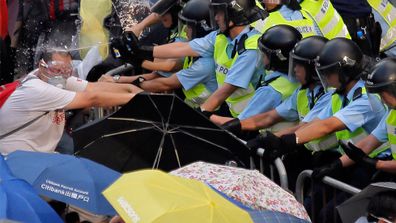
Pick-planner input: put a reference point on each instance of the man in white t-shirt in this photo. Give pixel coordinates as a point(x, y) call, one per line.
point(45, 103)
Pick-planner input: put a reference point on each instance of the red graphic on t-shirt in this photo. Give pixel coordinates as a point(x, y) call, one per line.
point(59, 117)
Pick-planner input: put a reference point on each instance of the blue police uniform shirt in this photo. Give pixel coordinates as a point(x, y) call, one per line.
point(246, 68)
point(359, 112)
point(288, 108)
point(265, 98)
point(380, 132)
point(321, 104)
point(391, 52)
point(290, 15)
point(201, 71)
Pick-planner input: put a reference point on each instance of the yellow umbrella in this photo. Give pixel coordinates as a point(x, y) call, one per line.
point(155, 196)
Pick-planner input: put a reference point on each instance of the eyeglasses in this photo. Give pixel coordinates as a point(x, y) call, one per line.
point(373, 218)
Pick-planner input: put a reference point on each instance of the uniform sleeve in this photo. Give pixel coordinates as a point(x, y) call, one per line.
point(322, 104)
point(243, 70)
point(358, 113)
point(380, 131)
point(200, 71)
point(204, 46)
point(288, 108)
point(37, 95)
point(264, 99)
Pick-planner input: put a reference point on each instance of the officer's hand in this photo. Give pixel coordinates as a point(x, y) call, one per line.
point(268, 141)
point(357, 155)
point(326, 170)
point(233, 126)
point(207, 114)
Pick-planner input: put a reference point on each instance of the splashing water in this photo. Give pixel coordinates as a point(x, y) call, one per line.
point(131, 12)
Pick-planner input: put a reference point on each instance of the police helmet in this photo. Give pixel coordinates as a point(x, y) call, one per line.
point(240, 12)
point(340, 56)
point(383, 77)
point(195, 16)
point(304, 53)
point(276, 44)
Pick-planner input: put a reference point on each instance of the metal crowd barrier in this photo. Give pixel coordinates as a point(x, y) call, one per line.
point(306, 174)
point(277, 166)
point(333, 183)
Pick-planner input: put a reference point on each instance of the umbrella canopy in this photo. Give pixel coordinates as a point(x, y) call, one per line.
point(356, 206)
point(65, 178)
point(250, 187)
point(155, 196)
point(157, 131)
point(19, 201)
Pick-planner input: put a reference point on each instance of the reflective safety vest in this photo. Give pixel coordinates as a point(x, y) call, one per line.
point(303, 108)
point(286, 88)
point(197, 95)
point(305, 26)
point(238, 100)
point(358, 134)
point(391, 129)
point(328, 19)
point(388, 13)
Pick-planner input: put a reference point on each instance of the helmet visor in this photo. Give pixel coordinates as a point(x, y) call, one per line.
point(220, 10)
point(324, 73)
point(295, 61)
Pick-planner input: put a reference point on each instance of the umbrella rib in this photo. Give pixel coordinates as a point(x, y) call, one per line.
point(202, 139)
point(157, 110)
point(170, 112)
point(130, 119)
point(175, 149)
point(119, 133)
point(159, 153)
point(200, 128)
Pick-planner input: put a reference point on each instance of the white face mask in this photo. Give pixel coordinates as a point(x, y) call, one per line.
point(57, 72)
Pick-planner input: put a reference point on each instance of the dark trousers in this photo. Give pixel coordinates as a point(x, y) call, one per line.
point(369, 42)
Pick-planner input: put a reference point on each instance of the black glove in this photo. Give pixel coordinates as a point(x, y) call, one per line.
point(233, 126)
point(274, 146)
point(323, 171)
point(357, 155)
point(128, 46)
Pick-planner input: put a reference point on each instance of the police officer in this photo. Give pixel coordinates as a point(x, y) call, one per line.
point(164, 11)
point(361, 24)
point(233, 48)
point(350, 114)
point(381, 81)
point(275, 45)
point(326, 17)
point(197, 78)
point(309, 98)
point(287, 13)
point(385, 13)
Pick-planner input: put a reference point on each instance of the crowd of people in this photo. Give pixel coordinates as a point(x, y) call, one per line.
point(313, 82)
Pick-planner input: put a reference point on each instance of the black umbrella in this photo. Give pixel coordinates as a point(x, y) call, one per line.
point(157, 131)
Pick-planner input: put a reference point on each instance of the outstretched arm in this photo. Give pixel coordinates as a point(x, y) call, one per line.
point(318, 129)
point(161, 84)
point(261, 121)
point(174, 50)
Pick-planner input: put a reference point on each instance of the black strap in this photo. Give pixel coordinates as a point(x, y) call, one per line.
point(27, 123)
point(315, 98)
point(239, 45)
point(23, 126)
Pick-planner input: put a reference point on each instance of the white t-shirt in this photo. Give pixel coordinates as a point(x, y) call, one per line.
point(30, 101)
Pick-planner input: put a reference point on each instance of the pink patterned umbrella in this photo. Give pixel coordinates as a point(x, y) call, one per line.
point(250, 187)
